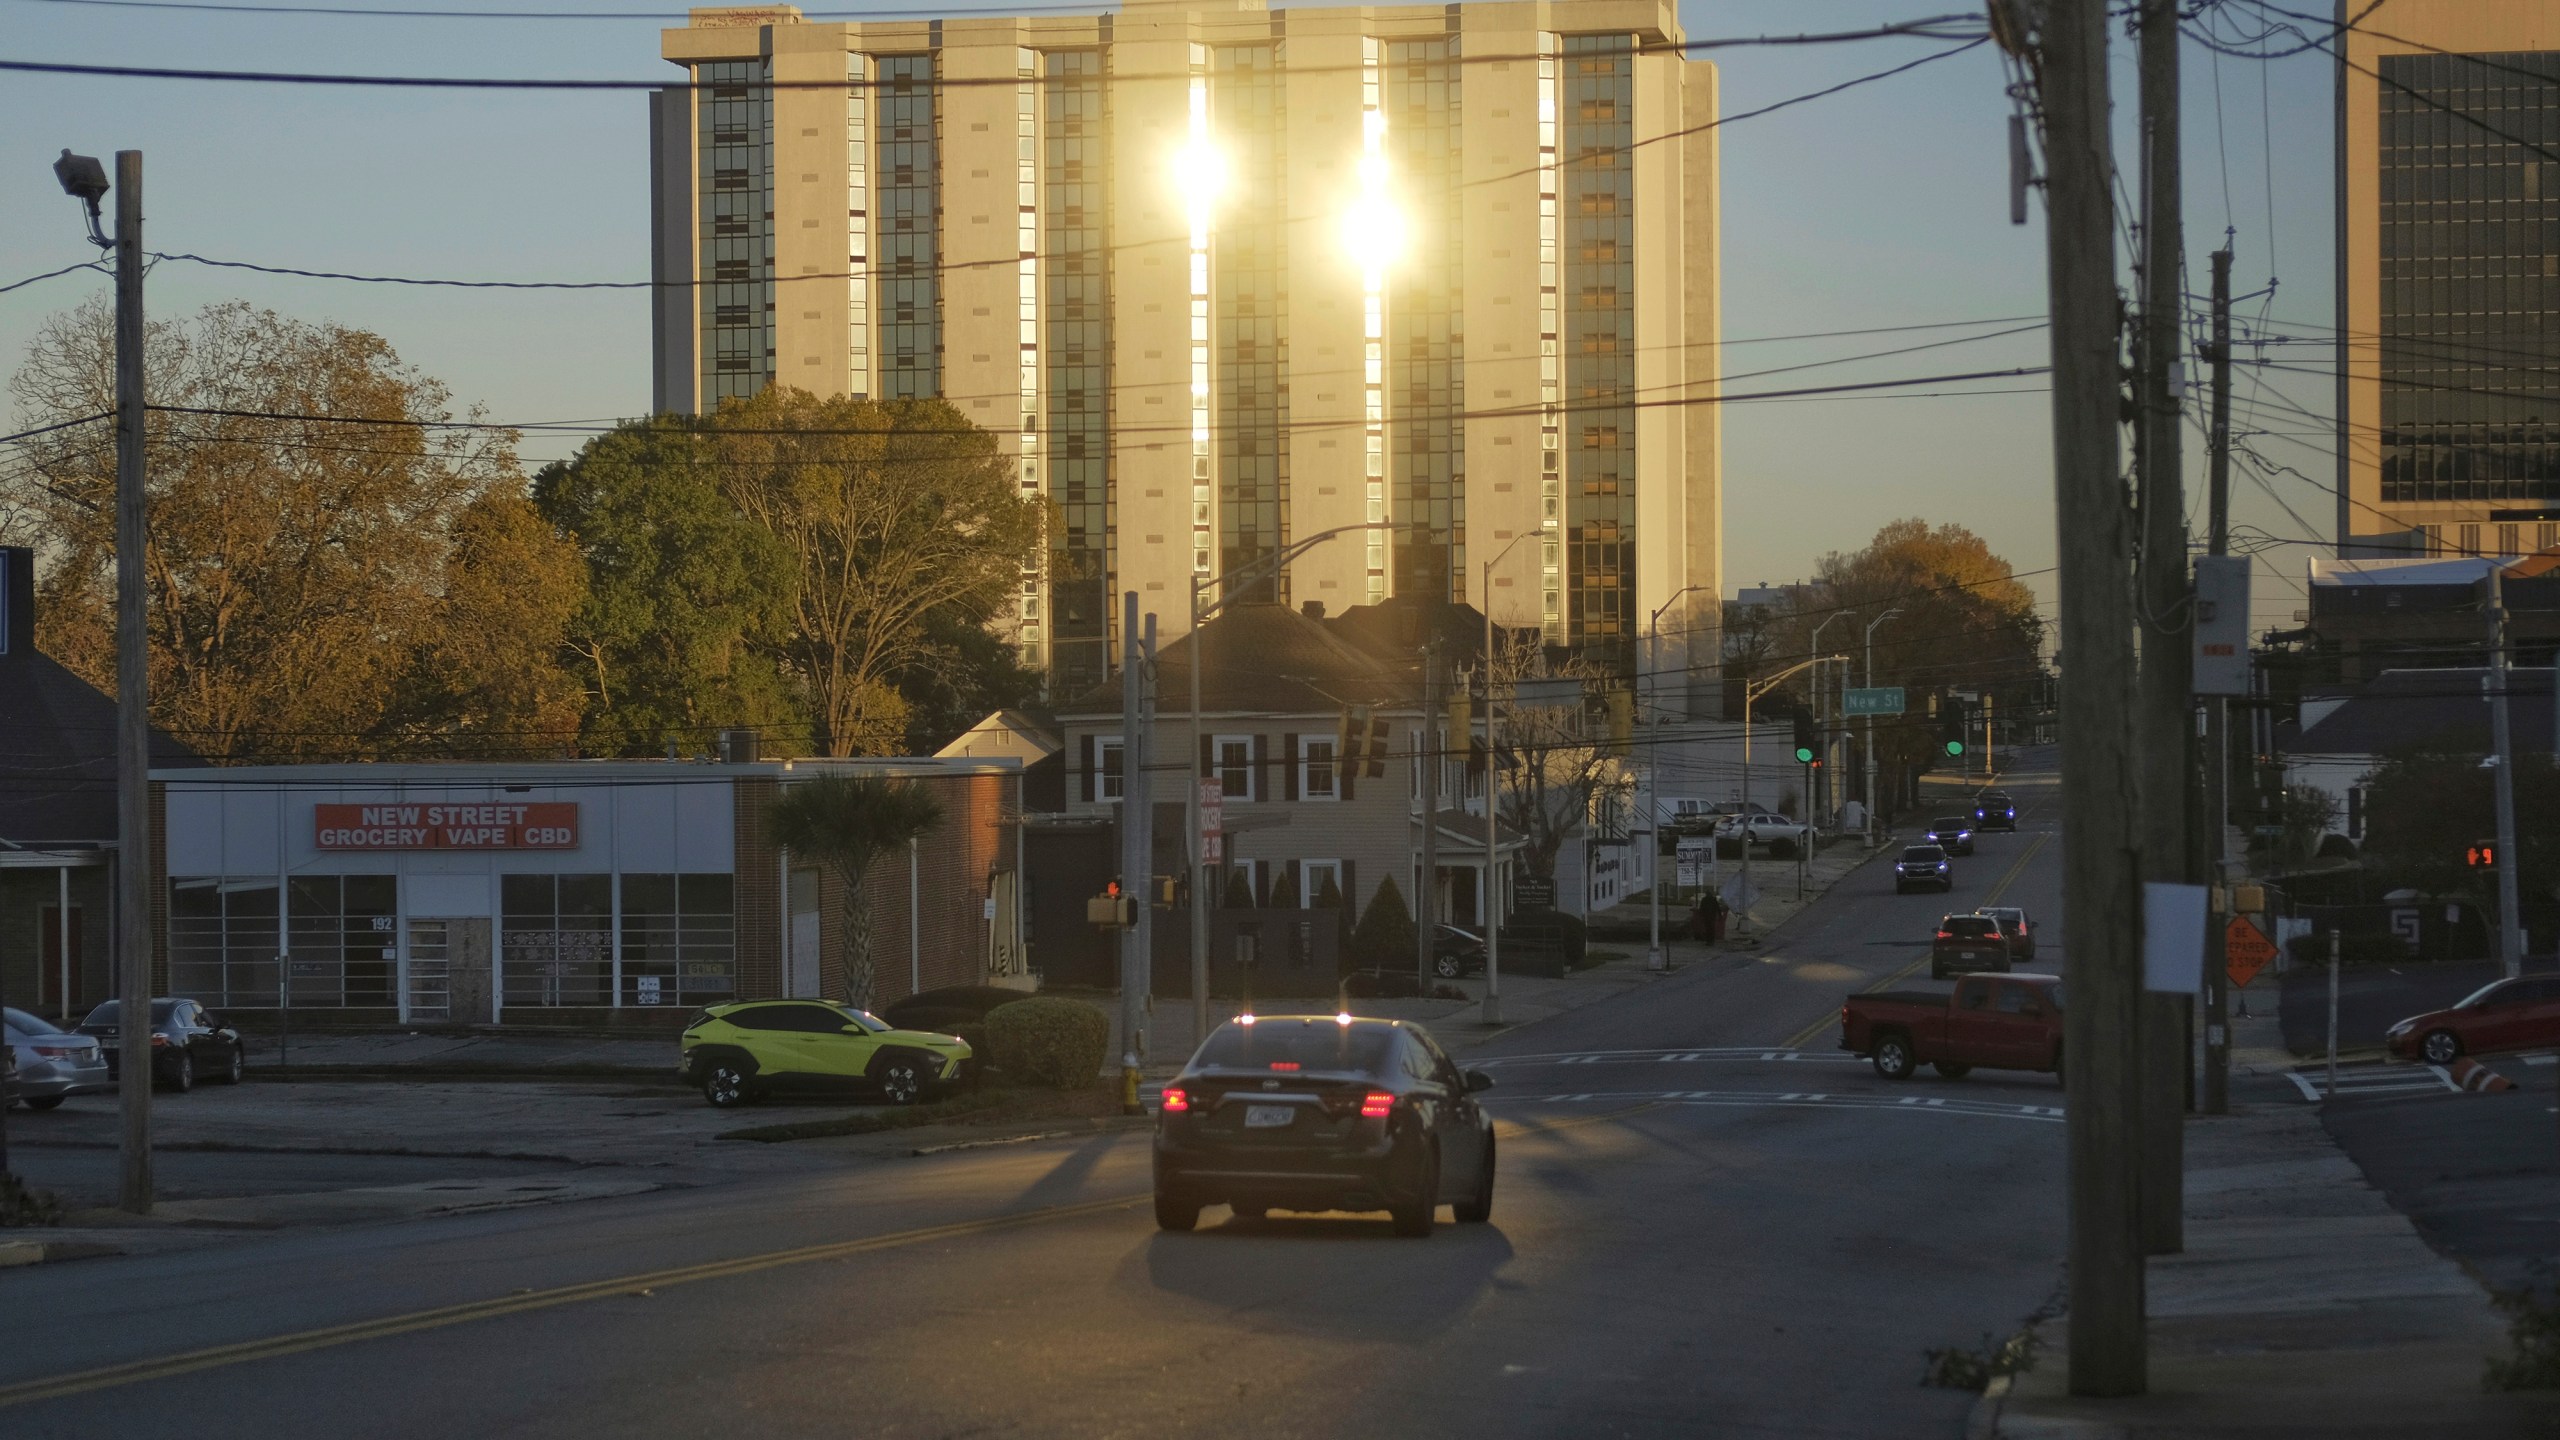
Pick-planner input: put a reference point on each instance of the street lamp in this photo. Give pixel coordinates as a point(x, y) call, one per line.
point(1814, 647)
point(1253, 569)
point(1871, 724)
point(1752, 691)
point(1653, 956)
point(1491, 891)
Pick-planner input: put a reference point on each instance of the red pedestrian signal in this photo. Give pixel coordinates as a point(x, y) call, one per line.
point(2482, 854)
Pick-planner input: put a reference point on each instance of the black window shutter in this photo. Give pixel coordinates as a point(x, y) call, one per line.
point(1350, 895)
point(1208, 756)
point(1084, 764)
point(1288, 767)
point(1262, 787)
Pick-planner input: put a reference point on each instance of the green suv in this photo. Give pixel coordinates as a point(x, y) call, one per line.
point(748, 1049)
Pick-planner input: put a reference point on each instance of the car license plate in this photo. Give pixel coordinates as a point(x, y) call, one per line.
point(1269, 1117)
point(1968, 954)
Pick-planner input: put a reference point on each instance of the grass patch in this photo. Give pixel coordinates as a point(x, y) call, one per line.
point(23, 1204)
point(991, 1105)
point(2533, 1327)
point(1957, 1368)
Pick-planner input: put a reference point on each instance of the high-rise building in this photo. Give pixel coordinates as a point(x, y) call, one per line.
point(1223, 278)
point(2449, 278)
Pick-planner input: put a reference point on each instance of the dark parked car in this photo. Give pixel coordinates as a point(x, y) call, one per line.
point(1324, 1112)
point(1994, 810)
point(1923, 867)
point(1456, 952)
point(1952, 833)
point(1967, 943)
point(2518, 1014)
point(49, 1064)
point(188, 1042)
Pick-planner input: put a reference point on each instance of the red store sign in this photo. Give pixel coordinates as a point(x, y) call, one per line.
point(548, 825)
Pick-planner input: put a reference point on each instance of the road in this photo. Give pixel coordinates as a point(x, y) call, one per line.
point(1725, 1237)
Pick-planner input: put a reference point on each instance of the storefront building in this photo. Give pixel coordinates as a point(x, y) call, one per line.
point(569, 893)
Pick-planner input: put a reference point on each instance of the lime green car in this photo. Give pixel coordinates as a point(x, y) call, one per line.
point(751, 1048)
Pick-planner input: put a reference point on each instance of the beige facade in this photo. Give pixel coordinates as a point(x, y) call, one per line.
point(2449, 278)
point(1155, 253)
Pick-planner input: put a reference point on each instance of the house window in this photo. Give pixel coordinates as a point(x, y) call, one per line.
point(1235, 766)
point(1312, 875)
point(1315, 770)
point(1107, 758)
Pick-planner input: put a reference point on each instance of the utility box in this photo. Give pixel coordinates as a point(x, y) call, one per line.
point(2222, 625)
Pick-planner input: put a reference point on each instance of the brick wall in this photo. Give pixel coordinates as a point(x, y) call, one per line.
point(952, 866)
point(760, 922)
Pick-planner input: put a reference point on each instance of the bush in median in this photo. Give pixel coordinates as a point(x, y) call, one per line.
point(1049, 1041)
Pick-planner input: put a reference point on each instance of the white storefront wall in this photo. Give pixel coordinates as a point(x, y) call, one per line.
point(251, 828)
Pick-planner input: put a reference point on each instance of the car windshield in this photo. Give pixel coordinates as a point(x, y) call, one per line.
point(106, 1014)
point(1964, 925)
point(26, 1024)
point(1950, 822)
point(2494, 990)
point(1295, 1044)
point(865, 1019)
point(1924, 854)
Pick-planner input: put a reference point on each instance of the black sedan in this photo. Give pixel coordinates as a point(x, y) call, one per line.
point(1456, 952)
point(188, 1042)
point(1324, 1112)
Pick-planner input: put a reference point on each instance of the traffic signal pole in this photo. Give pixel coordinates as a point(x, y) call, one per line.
point(2510, 925)
point(2217, 809)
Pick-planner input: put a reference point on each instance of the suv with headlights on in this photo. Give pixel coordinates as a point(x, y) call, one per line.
point(1923, 867)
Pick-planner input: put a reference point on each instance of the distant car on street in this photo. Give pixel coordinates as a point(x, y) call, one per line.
point(1967, 943)
point(1762, 827)
point(48, 1063)
point(1456, 952)
point(1324, 1112)
point(1994, 810)
point(2015, 927)
point(1952, 833)
point(188, 1043)
point(1923, 867)
point(1994, 1022)
point(2518, 1014)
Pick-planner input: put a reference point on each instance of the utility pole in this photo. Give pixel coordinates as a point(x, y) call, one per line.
point(1871, 725)
point(1142, 784)
point(1426, 757)
point(2101, 860)
point(2166, 729)
point(2217, 783)
point(2510, 927)
point(1134, 861)
point(133, 705)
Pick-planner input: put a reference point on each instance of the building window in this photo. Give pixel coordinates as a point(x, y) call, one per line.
point(1315, 769)
point(555, 940)
point(1314, 876)
point(735, 204)
point(1252, 337)
point(1075, 368)
point(222, 940)
point(1427, 366)
point(2470, 539)
point(345, 935)
point(908, 131)
point(2510, 539)
point(1598, 549)
point(679, 939)
point(1234, 765)
point(1108, 759)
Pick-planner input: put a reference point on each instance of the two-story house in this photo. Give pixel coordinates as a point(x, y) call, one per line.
point(1275, 684)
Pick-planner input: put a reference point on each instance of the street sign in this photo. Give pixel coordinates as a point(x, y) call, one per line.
point(2246, 950)
point(1881, 700)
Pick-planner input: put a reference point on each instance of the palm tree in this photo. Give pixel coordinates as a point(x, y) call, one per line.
point(850, 821)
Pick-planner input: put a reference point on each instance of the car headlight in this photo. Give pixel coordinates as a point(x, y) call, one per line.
point(2403, 1028)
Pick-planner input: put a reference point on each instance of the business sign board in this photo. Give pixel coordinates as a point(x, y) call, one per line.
point(2222, 625)
point(1879, 700)
point(539, 825)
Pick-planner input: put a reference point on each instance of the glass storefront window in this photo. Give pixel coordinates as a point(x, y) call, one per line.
point(679, 939)
point(556, 939)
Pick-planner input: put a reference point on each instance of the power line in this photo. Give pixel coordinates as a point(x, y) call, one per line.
point(51, 275)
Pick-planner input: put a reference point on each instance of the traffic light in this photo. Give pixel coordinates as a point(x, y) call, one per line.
point(1808, 741)
point(1362, 743)
point(2482, 854)
point(1952, 724)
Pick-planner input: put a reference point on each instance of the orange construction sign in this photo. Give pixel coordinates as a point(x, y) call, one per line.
point(2245, 950)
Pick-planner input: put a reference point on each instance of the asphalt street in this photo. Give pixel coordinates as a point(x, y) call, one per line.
point(1709, 1222)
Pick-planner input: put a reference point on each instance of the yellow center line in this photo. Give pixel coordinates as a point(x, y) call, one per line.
point(134, 1372)
point(1797, 1040)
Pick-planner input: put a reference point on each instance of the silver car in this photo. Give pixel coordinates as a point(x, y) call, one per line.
point(52, 1064)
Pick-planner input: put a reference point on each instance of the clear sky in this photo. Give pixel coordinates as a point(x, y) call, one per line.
point(1886, 205)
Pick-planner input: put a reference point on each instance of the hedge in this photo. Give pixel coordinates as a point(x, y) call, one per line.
point(1044, 1040)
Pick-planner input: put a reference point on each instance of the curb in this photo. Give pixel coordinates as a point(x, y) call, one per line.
point(15, 1253)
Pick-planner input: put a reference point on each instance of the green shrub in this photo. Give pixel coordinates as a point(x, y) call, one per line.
point(23, 1204)
point(1045, 1040)
point(1385, 935)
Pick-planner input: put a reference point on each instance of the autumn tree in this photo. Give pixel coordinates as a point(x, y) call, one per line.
point(488, 680)
point(906, 530)
point(306, 489)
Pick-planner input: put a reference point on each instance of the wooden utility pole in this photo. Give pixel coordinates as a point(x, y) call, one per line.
point(133, 709)
point(2217, 766)
point(2166, 704)
point(2100, 797)
point(1426, 759)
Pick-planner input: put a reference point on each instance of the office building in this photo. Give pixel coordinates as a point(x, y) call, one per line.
point(2449, 278)
point(1220, 279)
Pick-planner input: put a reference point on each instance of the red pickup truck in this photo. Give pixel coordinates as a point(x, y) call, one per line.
point(1999, 1022)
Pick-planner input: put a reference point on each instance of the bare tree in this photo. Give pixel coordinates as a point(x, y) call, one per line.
point(1554, 764)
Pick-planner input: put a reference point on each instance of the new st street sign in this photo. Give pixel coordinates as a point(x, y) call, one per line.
point(1881, 700)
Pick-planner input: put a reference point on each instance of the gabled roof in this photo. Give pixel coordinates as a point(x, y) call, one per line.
point(2445, 710)
point(1263, 659)
point(58, 755)
point(1002, 735)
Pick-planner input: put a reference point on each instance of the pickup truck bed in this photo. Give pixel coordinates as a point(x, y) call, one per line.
point(1996, 1022)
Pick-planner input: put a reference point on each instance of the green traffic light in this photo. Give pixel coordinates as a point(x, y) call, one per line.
point(1955, 747)
point(1804, 754)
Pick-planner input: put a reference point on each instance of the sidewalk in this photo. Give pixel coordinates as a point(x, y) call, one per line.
point(493, 1054)
point(2303, 1305)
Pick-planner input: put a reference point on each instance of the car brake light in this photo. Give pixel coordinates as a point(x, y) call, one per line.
point(159, 1042)
point(1946, 934)
point(1284, 1064)
point(1176, 1100)
point(1376, 1104)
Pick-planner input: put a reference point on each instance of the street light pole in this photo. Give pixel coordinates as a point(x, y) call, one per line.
point(1653, 956)
point(1492, 805)
point(1813, 647)
point(1871, 725)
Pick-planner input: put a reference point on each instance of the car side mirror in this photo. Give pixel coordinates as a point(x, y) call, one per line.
point(1478, 1082)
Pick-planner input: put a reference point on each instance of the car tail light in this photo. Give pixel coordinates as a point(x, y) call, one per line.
point(159, 1042)
point(1284, 1064)
point(1946, 934)
point(1376, 1104)
point(1176, 1100)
